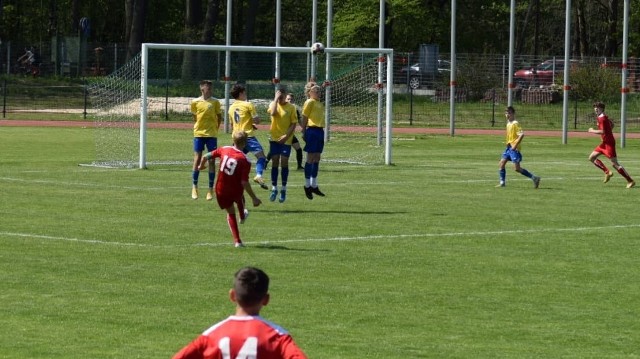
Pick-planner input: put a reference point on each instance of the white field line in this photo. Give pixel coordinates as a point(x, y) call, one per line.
point(330, 239)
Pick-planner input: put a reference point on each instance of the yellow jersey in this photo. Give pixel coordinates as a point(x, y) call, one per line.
point(513, 132)
point(280, 122)
point(314, 110)
point(241, 115)
point(208, 115)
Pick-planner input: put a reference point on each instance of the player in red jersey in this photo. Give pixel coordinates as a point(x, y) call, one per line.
point(246, 334)
point(233, 181)
point(607, 147)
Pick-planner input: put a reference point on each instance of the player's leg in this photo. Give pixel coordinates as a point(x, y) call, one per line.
point(198, 147)
point(502, 172)
point(254, 146)
point(296, 146)
point(593, 157)
point(284, 167)
point(623, 172)
point(211, 144)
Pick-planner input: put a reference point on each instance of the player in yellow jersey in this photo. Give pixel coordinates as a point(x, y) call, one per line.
point(284, 119)
point(243, 116)
point(207, 116)
point(512, 152)
point(313, 123)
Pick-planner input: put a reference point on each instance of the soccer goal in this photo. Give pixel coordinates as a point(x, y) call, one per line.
point(142, 113)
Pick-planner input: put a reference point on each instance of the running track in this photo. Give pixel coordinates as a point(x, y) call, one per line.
point(334, 128)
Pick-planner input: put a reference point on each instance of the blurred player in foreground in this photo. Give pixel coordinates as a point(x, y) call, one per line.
point(245, 334)
point(233, 182)
point(607, 147)
point(512, 152)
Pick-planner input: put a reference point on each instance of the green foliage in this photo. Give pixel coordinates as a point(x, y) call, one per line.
point(593, 82)
point(430, 261)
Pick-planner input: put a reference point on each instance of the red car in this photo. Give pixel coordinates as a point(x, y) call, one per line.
point(541, 75)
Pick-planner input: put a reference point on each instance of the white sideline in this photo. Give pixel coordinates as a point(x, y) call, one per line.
point(363, 238)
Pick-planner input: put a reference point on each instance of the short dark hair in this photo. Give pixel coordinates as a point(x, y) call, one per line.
point(510, 109)
point(599, 104)
point(206, 82)
point(236, 90)
point(251, 286)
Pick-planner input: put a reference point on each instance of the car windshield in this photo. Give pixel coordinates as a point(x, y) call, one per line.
point(548, 66)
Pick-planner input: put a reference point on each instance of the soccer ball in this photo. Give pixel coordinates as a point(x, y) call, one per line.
point(317, 48)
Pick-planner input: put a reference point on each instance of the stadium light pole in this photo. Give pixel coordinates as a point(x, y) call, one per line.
point(380, 69)
point(276, 78)
point(327, 89)
point(512, 31)
point(314, 31)
point(452, 75)
point(567, 67)
point(624, 89)
point(227, 67)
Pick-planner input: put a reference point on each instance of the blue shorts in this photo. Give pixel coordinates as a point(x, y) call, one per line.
point(314, 140)
point(512, 155)
point(253, 146)
point(200, 142)
point(278, 149)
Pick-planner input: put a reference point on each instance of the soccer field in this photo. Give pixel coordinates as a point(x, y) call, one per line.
point(422, 259)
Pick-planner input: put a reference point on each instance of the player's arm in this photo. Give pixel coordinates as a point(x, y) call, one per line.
point(195, 349)
point(247, 188)
point(205, 159)
point(288, 134)
point(517, 141)
point(593, 130)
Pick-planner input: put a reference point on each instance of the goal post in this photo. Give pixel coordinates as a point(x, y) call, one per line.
point(167, 77)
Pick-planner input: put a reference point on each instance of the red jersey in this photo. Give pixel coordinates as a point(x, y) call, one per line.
point(234, 169)
point(608, 145)
point(606, 126)
point(243, 337)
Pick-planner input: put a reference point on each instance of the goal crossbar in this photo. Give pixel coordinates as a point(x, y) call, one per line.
point(385, 55)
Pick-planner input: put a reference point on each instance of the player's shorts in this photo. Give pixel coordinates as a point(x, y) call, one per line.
point(278, 149)
point(225, 200)
point(253, 146)
point(606, 149)
point(512, 155)
point(314, 140)
point(199, 143)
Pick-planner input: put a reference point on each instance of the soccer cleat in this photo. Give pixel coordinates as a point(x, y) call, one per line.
point(300, 168)
point(239, 245)
point(194, 193)
point(308, 193)
point(274, 193)
point(316, 190)
point(244, 218)
point(536, 181)
point(210, 194)
point(259, 180)
point(631, 184)
point(501, 184)
point(283, 196)
point(607, 176)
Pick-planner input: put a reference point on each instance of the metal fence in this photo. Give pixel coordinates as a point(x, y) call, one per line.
point(421, 88)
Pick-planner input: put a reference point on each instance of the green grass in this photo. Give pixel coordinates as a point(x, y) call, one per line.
point(422, 259)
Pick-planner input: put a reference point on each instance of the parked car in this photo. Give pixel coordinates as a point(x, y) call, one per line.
point(417, 78)
point(542, 75)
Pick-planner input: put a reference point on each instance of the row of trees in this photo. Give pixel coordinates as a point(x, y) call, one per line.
point(482, 25)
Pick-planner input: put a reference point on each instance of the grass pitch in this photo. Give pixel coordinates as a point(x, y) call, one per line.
point(422, 259)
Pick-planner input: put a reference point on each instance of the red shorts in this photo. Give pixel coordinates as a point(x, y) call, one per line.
point(228, 201)
point(606, 149)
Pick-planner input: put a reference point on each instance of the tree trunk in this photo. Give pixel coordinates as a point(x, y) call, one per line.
point(137, 28)
point(612, 22)
point(128, 15)
point(210, 22)
point(250, 24)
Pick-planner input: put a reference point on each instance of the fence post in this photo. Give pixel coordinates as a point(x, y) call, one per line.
point(4, 98)
point(84, 113)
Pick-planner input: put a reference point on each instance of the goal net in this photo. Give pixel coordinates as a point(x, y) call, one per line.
point(142, 113)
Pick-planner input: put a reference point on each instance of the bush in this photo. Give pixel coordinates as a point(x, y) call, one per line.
point(593, 82)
